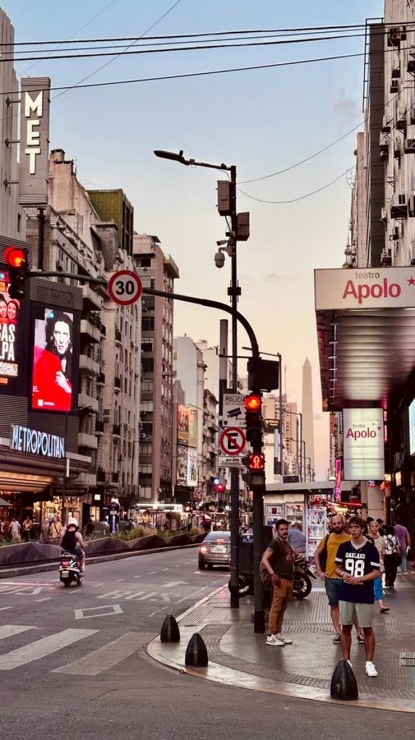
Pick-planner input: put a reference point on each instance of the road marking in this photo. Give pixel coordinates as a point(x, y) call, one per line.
point(97, 585)
point(140, 576)
point(174, 583)
point(116, 595)
point(138, 597)
point(105, 657)
point(152, 572)
point(25, 590)
point(41, 648)
point(8, 630)
point(47, 598)
point(119, 580)
point(112, 609)
point(3, 608)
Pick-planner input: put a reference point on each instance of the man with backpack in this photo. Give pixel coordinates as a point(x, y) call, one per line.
point(324, 558)
point(278, 562)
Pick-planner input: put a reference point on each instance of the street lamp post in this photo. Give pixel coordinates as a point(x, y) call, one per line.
point(233, 291)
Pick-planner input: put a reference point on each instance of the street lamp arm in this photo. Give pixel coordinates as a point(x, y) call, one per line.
point(212, 304)
point(180, 158)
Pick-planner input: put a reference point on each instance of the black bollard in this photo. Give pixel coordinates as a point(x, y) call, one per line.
point(170, 630)
point(196, 652)
point(343, 682)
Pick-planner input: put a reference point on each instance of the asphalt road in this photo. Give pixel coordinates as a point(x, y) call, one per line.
point(73, 664)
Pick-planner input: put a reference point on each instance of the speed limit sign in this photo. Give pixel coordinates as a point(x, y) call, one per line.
point(125, 287)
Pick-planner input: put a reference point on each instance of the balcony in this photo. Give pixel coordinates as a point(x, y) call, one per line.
point(101, 379)
point(118, 336)
point(87, 440)
point(90, 331)
point(117, 383)
point(99, 427)
point(91, 300)
point(116, 430)
point(84, 399)
point(87, 364)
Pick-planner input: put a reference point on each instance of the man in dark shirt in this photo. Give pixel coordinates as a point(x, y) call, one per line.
point(278, 560)
point(357, 564)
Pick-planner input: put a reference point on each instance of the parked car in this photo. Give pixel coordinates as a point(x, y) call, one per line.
point(215, 549)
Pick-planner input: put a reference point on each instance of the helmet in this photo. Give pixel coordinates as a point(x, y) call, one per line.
point(72, 522)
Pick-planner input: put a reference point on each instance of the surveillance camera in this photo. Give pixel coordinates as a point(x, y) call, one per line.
point(219, 259)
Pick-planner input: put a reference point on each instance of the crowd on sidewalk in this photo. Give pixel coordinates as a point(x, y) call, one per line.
point(356, 560)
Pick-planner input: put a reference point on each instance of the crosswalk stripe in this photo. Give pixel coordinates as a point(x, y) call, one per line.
point(105, 657)
point(138, 597)
point(8, 630)
point(41, 648)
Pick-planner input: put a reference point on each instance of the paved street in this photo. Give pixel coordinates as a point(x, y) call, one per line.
point(74, 662)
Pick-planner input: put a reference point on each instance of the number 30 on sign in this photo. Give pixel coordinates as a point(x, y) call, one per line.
point(124, 287)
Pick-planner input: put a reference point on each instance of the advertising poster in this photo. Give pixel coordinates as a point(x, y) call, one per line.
point(181, 465)
point(9, 329)
point(363, 444)
point(183, 424)
point(192, 427)
point(192, 468)
point(52, 384)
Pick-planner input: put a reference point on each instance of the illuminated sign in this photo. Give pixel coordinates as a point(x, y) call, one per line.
point(9, 320)
point(53, 369)
point(36, 442)
point(388, 287)
point(34, 141)
point(363, 444)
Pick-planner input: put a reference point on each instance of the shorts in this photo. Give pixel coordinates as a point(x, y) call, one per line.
point(348, 610)
point(332, 590)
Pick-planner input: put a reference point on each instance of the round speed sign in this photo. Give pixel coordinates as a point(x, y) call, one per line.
point(125, 287)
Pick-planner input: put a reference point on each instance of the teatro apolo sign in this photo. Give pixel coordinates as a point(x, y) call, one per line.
point(382, 287)
point(36, 442)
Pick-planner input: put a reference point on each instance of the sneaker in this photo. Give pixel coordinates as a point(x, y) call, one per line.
point(336, 637)
point(371, 669)
point(361, 639)
point(285, 640)
point(274, 641)
point(350, 664)
point(404, 572)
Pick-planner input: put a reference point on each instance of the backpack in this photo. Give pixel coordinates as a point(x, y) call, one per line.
point(69, 541)
point(323, 554)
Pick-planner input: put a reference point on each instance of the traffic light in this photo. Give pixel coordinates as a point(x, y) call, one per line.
point(253, 420)
point(255, 461)
point(17, 262)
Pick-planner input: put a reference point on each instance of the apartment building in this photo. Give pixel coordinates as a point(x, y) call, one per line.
point(158, 271)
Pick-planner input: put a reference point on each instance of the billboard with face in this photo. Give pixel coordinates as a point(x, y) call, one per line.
point(9, 329)
point(53, 364)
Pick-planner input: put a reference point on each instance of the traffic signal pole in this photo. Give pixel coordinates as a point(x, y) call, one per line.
point(234, 291)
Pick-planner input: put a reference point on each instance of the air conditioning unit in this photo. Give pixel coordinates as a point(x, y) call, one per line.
point(399, 206)
point(383, 215)
point(395, 235)
point(383, 146)
point(397, 151)
point(394, 86)
point(412, 253)
point(386, 125)
point(410, 140)
point(396, 73)
point(401, 117)
point(411, 206)
point(386, 257)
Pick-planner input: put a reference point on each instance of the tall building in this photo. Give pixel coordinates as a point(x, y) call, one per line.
point(12, 224)
point(157, 270)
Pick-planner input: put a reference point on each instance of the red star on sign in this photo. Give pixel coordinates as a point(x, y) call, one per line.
point(411, 281)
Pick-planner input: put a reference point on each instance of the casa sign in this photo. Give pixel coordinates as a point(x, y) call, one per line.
point(387, 287)
point(34, 141)
point(36, 442)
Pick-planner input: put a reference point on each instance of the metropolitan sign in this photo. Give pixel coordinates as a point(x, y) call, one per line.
point(34, 141)
point(363, 444)
point(376, 287)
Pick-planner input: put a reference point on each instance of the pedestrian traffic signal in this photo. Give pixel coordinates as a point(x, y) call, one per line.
point(253, 419)
point(17, 262)
point(255, 461)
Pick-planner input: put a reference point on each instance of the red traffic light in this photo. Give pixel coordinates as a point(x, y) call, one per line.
point(256, 461)
point(252, 403)
point(15, 257)
point(220, 488)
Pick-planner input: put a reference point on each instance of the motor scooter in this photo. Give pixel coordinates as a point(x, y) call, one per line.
point(301, 583)
point(69, 569)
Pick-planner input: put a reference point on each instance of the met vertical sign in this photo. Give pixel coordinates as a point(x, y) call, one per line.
point(34, 141)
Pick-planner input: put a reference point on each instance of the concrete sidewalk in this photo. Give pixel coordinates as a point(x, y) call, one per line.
point(239, 657)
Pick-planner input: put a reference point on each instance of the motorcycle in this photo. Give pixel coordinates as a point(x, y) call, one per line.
point(69, 570)
point(301, 584)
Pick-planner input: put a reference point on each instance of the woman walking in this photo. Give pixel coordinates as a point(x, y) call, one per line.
point(379, 543)
point(391, 556)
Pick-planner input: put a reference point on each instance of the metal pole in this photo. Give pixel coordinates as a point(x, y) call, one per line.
point(65, 470)
point(41, 237)
point(301, 445)
point(281, 416)
point(234, 292)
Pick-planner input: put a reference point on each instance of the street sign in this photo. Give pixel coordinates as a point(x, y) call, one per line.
point(232, 441)
point(224, 461)
point(233, 410)
point(125, 287)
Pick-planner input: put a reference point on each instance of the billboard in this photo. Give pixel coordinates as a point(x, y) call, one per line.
point(181, 479)
point(363, 444)
point(34, 141)
point(9, 334)
point(192, 468)
point(54, 368)
point(183, 424)
point(193, 426)
point(379, 287)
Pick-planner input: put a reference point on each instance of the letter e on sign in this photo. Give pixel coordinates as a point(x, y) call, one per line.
point(125, 287)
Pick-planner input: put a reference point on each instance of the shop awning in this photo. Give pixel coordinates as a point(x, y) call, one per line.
point(366, 334)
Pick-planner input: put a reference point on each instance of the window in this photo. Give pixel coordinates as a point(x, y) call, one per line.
point(147, 323)
point(147, 364)
point(147, 345)
point(145, 262)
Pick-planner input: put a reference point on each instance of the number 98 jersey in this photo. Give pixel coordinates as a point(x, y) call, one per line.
point(357, 562)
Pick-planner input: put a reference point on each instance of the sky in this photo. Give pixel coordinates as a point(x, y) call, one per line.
point(260, 120)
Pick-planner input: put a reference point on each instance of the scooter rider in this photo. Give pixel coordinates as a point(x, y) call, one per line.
point(71, 541)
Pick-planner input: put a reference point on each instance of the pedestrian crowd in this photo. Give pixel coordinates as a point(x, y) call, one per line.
point(353, 560)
